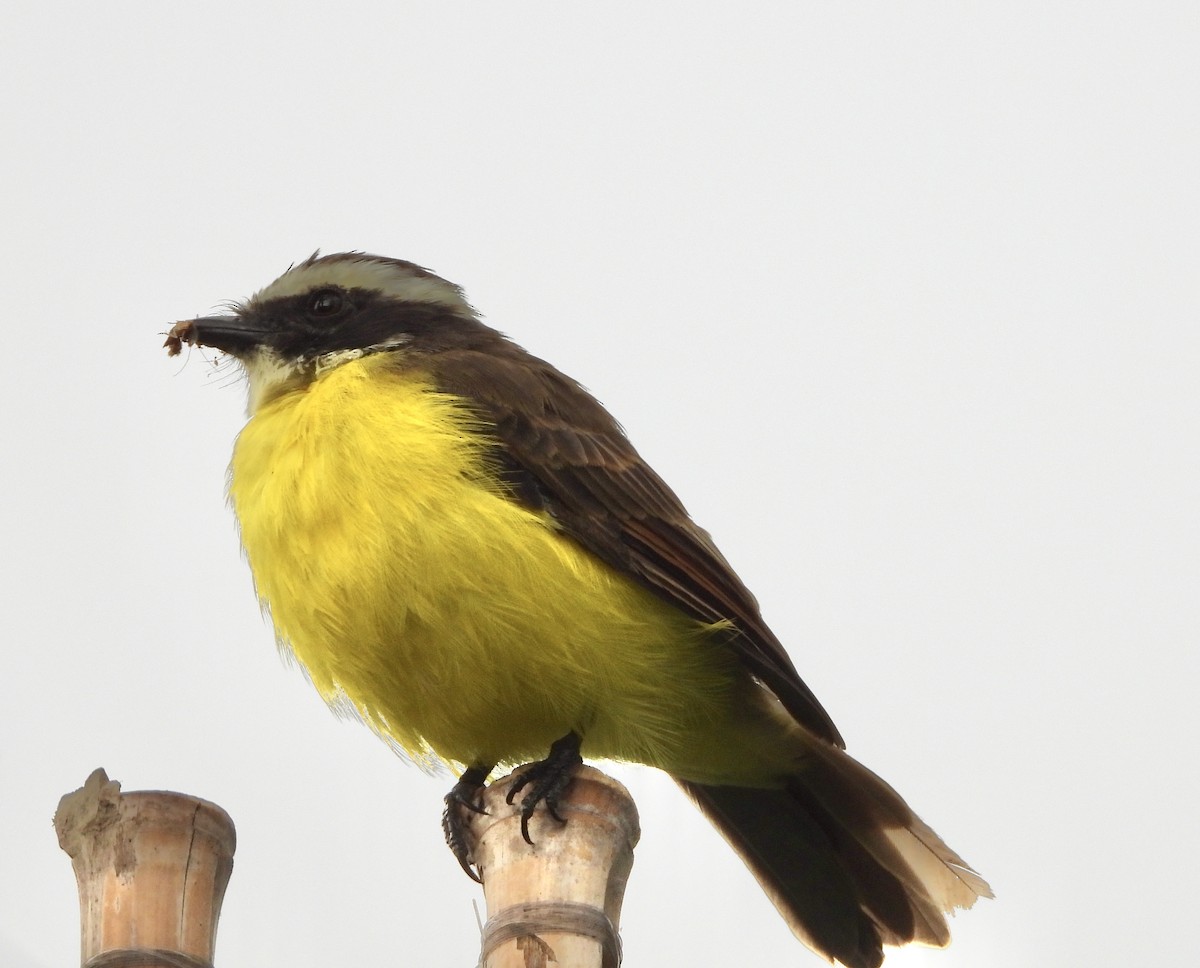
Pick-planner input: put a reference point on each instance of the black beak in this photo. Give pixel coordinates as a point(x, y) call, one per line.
point(235, 335)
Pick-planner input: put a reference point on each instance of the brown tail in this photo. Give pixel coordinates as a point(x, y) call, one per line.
point(847, 863)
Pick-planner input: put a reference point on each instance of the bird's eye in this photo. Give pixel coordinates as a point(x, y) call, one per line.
point(326, 302)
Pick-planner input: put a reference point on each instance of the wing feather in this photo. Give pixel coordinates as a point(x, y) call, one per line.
point(563, 452)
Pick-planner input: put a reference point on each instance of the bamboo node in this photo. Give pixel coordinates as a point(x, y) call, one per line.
point(145, 958)
point(533, 918)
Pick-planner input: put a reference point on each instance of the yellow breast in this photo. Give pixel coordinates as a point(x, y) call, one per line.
point(450, 618)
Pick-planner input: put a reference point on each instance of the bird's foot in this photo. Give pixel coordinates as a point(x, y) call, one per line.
point(547, 779)
point(463, 797)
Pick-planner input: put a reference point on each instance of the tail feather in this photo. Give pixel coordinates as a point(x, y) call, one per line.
point(843, 858)
point(813, 888)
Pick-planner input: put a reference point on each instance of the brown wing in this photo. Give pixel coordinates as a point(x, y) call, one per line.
point(563, 452)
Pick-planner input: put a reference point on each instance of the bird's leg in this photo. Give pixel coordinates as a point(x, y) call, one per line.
point(464, 795)
point(547, 779)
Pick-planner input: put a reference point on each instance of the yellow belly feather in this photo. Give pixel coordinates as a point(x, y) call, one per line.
point(458, 624)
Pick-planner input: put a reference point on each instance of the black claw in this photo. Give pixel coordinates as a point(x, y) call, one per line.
point(547, 780)
point(464, 795)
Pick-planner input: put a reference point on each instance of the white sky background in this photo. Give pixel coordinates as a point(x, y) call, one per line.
point(900, 298)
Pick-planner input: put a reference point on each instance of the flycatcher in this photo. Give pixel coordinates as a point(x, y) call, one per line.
point(460, 544)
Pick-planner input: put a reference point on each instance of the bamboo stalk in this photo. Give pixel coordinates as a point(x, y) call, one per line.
point(560, 899)
point(151, 868)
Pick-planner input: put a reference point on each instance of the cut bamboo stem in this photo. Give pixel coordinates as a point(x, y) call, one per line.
point(151, 868)
point(560, 899)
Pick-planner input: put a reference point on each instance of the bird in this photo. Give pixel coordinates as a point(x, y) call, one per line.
point(463, 549)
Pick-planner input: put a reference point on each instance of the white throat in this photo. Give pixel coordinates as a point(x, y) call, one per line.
point(269, 375)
